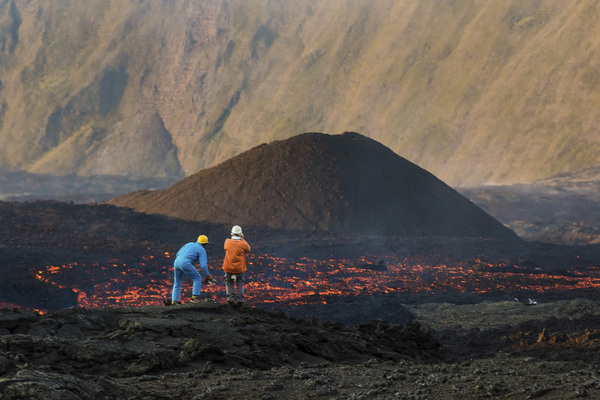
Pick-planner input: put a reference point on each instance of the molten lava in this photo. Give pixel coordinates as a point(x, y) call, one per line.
point(275, 280)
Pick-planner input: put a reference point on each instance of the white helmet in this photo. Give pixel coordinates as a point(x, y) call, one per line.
point(236, 230)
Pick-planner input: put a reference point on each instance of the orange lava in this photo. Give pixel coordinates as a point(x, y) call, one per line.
point(273, 279)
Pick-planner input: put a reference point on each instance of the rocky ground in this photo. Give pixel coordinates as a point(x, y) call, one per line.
point(209, 351)
point(448, 347)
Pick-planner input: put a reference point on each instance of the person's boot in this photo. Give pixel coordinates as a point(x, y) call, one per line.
point(196, 299)
point(169, 302)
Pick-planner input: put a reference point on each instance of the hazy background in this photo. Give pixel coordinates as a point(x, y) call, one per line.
point(497, 99)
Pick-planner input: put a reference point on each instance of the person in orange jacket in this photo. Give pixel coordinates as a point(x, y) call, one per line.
point(234, 266)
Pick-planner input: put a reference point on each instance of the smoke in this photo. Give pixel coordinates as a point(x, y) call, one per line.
point(23, 186)
point(559, 212)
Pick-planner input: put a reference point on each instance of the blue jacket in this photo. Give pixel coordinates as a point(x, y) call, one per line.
point(193, 253)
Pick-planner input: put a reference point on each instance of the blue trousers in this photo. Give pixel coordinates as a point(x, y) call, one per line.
point(181, 268)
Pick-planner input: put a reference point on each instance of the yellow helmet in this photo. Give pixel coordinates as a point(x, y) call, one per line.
point(202, 239)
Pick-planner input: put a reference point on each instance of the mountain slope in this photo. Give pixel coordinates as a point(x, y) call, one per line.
point(314, 181)
point(473, 91)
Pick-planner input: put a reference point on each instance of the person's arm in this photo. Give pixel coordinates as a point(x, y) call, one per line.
point(203, 259)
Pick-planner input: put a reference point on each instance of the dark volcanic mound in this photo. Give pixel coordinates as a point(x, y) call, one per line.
point(336, 183)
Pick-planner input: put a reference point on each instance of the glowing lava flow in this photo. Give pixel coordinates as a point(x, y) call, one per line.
point(273, 279)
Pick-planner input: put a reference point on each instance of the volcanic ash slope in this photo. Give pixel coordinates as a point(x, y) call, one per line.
point(319, 182)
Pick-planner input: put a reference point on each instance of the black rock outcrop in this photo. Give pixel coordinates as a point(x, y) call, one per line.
point(131, 353)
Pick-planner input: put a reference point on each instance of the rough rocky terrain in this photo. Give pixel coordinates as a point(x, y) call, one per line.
point(42, 233)
point(188, 351)
point(564, 209)
point(22, 186)
point(209, 351)
point(443, 347)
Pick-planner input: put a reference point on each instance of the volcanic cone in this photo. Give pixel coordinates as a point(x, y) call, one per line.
point(335, 183)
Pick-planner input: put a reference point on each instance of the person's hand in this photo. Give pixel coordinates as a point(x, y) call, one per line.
point(209, 280)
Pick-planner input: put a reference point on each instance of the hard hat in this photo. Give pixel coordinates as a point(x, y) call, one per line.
point(236, 230)
point(202, 239)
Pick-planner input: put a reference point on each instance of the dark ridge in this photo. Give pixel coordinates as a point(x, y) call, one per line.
point(318, 182)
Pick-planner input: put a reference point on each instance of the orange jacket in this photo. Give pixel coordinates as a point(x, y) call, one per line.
point(235, 256)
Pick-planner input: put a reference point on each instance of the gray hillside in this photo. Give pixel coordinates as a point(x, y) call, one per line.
point(477, 92)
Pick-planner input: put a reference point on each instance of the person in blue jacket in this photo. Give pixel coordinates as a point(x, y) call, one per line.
point(191, 253)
